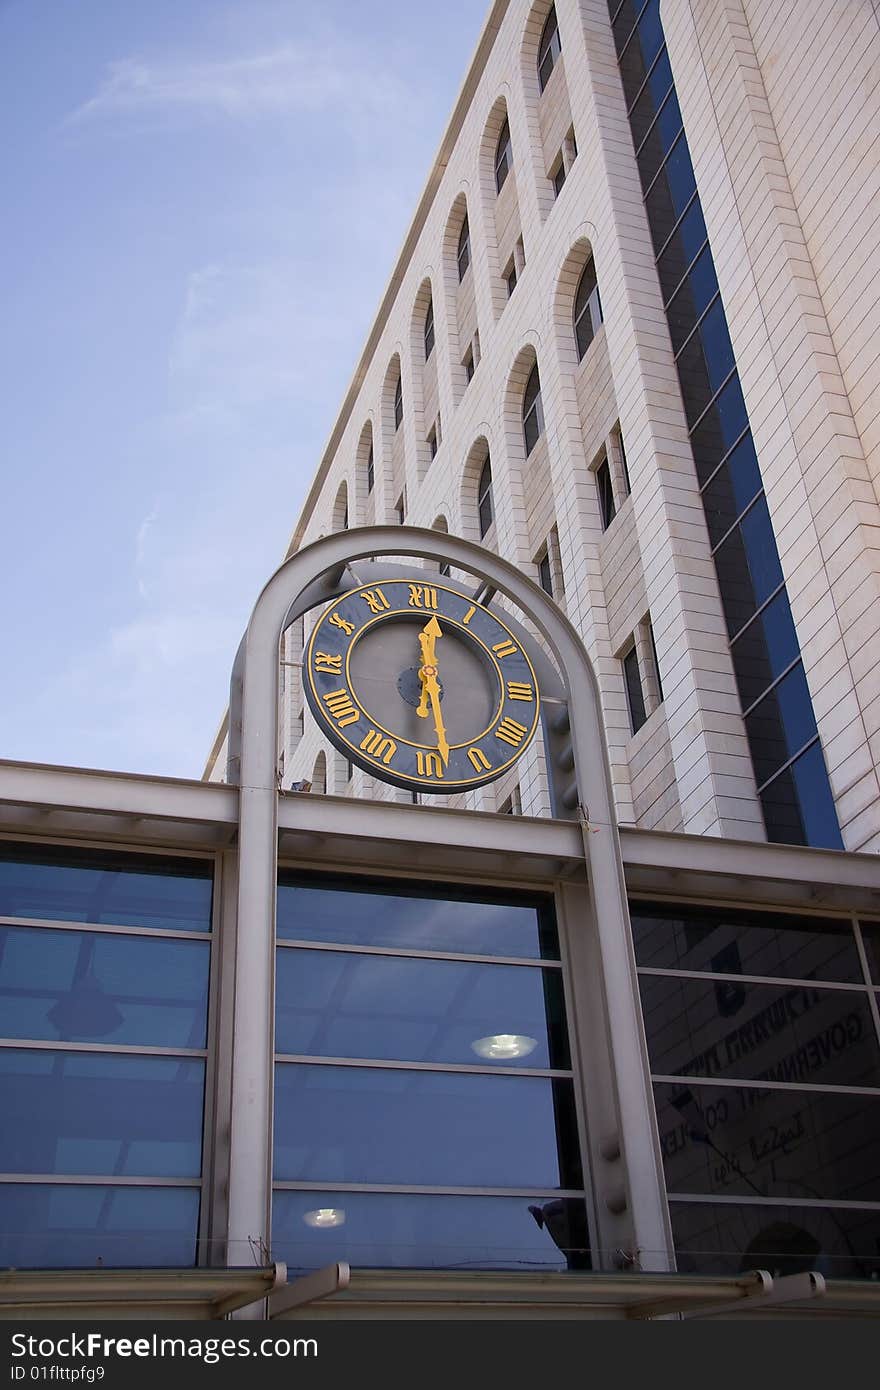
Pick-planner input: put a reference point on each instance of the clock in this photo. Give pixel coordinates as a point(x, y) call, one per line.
point(421, 686)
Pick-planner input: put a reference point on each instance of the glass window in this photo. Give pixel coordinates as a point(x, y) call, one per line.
point(387, 1125)
point(545, 574)
point(705, 361)
point(638, 53)
point(671, 191)
point(651, 31)
point(691, 299)
point(533, 418)
point(786, 1033)
point(607, 509)
point(429, 330)
point(77, 1112)
point(463, 254)
point(387, 1230)
point(70, 986)
point(625, 17)
point(780, 724)
point(103, 887)
point(798, 805)
point(871, 942)
point(660, 138)
point(735, 1141)
point(680, 250)
point(340, 1004)
point(398, 403)
point(734, 941)
point(634, 697)
point(372, 912)
point(748, 567)
point(469, 364)
point(485, 504)
point(549, 48)
point(728, 1239)
point(764, 649)
point(735, 484)
point(719, 429)
point(68, 1226)
point(557, 177)
point(371, 476)
point(587, 309)
point(650, 99)
point(510, 277)
point(503, 157)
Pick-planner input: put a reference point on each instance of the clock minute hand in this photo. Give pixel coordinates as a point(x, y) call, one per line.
point(433, 689)
point(427, 638)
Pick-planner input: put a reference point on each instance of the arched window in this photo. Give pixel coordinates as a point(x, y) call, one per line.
point(319, 774)
point(549, 48)
point(371, 470)
point(429, 330)
point(532, 414)
point(587, 309)
point(398, 402)
point(464, 249)
point(503, 157)
point(485, 507)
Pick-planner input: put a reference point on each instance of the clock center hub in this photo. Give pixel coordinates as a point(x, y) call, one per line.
point(409, 684)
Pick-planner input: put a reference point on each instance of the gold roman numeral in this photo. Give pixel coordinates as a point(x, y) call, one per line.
point(519, 690)
point(468, 615)
point(338, 621)
point(478, 758)
point(376, 600)
point(340, 706)
point(505, 648)
point(511, 732)
point(421, 597)
point(429, 764)
point(379, 747)
point(325, 661)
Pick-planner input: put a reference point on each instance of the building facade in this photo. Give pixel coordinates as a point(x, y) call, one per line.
point(630, 343)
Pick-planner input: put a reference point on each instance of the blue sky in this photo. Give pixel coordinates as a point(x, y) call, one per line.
point(204, 201)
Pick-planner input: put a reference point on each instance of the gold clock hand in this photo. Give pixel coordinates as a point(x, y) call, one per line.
point(434, 693)
point(427, 639)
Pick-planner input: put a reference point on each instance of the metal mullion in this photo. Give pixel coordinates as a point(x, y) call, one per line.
point(873, 1000)
point(743, 1084)
point(758, 611)
point(715, 298)
point(691, 263)
point(128, 1049)
point(793, 759)
point(772, 686)
point(721, 462)
point(417, 955)
point(734, 371)
point(747, 508)
point(840, 1204)
point(424, 1189)
point(94, 1180)
point(69, 925)
point(392, 1064)
point(750, 979)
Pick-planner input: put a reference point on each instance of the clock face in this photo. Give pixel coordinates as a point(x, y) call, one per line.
point(420, 686)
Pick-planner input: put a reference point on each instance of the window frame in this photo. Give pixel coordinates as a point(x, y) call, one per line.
point(463, 253)
point(532, 410)
point(485, 499)
point(549, 46)
point(503, 156)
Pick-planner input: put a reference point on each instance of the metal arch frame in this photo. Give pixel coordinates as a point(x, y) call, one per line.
point(314, 575)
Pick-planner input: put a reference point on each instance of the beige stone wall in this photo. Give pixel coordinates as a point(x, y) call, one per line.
point(786, 170)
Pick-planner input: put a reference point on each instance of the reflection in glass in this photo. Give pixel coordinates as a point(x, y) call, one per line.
point(840, 1243)
point(735, 1141)
point(764, 649)
point(871, 942)
point(340, 1004)
point(732, 941)
point(759, 1032)
point(781, 724)
point(91, 886)
point(68, 986)
point(364, 1124)
point(362, 912)
point(75, 1112)
point(409, 1230)
point(719, 429)
point(64, 1227)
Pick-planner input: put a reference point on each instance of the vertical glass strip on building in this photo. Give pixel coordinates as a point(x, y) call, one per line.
point(790, 770)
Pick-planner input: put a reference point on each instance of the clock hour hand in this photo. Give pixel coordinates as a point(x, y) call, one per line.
point(427, 639)
point(433, 689)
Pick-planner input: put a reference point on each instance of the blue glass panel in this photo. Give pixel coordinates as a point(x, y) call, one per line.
point(76, 1112)
point(339, 1004)
point(69, 1227)
point(69, 986)
point(446, 1129)
point(784, 1033)
point(734, 1141)
point(691, 299)
point(719, 429)
point(735, 484)
point(364, 912)
point(680, 250)
point(730, 1239)
point(764, 649)
point(660, 139)
point(651, 31)
point(123, 889)
point(733, 941)
point(650, 100)
point(799, 801)
point(763, 556)
point(671, 191)
point(780, 724)
point(625, 21)
point(388, 1230)
point(704, 362)
point(748, 568)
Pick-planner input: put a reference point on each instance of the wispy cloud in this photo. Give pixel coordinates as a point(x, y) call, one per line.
point(303, 77)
